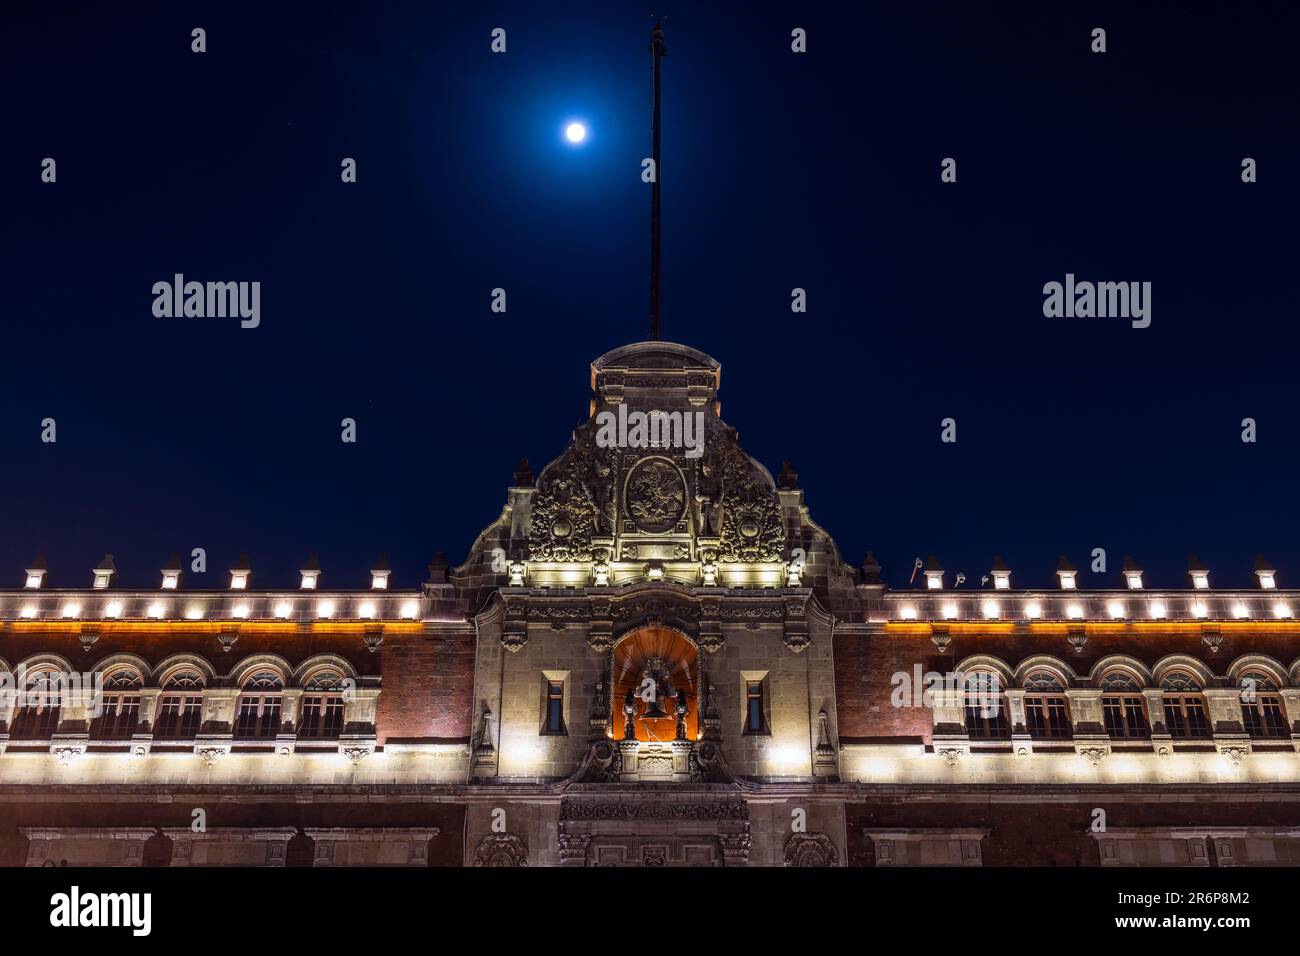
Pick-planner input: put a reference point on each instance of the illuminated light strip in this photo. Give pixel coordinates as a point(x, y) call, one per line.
point(1094, 626)
point(215, 627)
point(955, 627)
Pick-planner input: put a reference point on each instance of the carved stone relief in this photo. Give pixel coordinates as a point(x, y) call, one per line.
point(811, 849)
point(501, 849)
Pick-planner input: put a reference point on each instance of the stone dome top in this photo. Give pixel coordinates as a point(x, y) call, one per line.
point(655, 367)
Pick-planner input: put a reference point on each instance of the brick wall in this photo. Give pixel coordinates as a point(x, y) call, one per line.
point(865, 665)
point(428, 688)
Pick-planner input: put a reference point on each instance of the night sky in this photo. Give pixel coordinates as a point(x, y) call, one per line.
point(780, 170)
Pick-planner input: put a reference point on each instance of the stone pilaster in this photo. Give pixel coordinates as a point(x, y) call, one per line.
point(8, 702)
point(1290, 707)
point(949, 711)
point(1161, 741)
point(826, 763)
point(359, 734)
point(217, 723)
point(142, 739)
point(76, 701)
point(1090, 737)
point(286, 740)
point(1021, 742)
point(1224, 707)
point(485, 752)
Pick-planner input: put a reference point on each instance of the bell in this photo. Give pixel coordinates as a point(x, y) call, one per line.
point(655, 711)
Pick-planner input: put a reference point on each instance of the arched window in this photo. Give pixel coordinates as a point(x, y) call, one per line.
point(322, 707)
point(180, 708)
point(1046, 714)
point(1261, 707)
point(1123, 707)
point(1185, 714)
point(118, 713)
point(986, 707)
point(36, 712)
point(260, 701)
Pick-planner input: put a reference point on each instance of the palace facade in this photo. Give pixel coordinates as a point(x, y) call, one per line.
point(654, 656)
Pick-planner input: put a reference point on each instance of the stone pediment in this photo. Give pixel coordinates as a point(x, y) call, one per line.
point(668, 498)
point(654, 487)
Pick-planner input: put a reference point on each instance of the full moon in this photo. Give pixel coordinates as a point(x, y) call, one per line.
point(575, 132)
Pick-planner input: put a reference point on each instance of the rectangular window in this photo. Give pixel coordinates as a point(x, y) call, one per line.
point(1185, 717)
point(986, 717)
point(259, 717)
point(1046, 716)
point(754, 722)
point(1264, 718)
point(118, 719)
point(1124, 716)
point(178, 717)
point(322, 717)
point(553, 707)
point(34, 722)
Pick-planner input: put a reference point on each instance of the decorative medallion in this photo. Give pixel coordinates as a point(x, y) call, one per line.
point(501, 849)
point(656, 495)
point(811, 849)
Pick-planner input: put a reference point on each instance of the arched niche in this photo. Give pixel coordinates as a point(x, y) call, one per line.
point(672, 660)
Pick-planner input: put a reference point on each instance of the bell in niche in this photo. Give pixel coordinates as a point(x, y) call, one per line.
point(655, 711)
point(655, 687)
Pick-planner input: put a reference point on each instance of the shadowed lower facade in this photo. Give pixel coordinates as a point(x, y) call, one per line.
point(653, 657)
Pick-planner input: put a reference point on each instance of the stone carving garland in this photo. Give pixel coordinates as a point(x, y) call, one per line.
point(575, 500)
point(593, 810)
